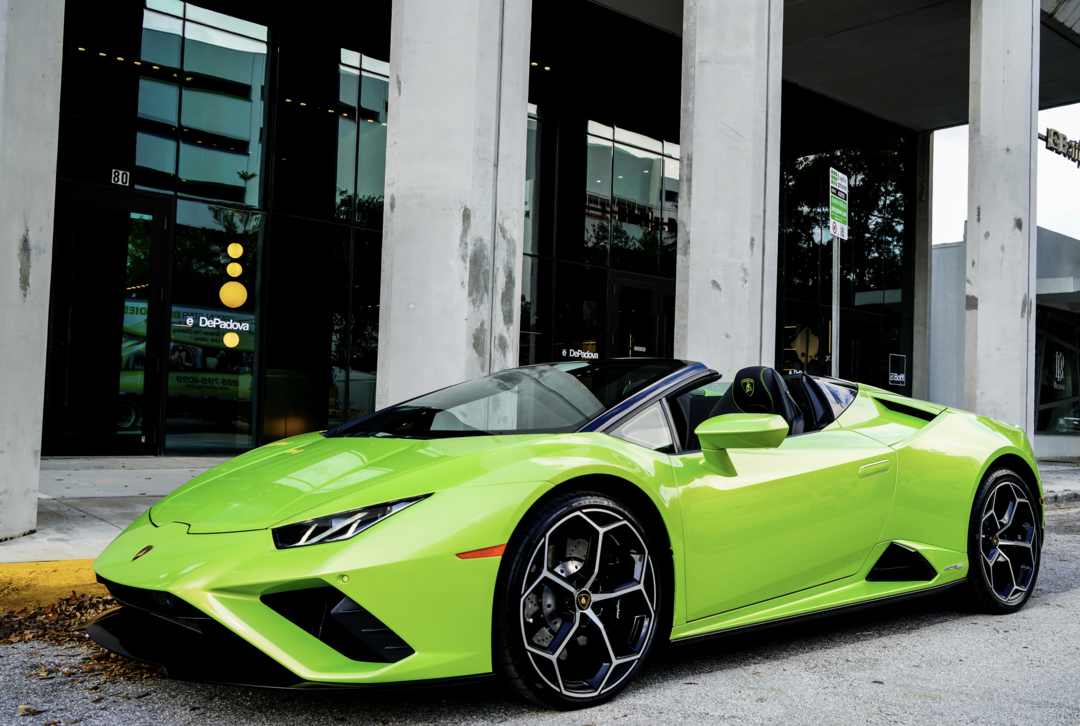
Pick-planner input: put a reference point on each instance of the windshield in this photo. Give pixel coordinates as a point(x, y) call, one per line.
point(555, 398)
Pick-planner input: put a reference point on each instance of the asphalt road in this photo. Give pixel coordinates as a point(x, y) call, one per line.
point(927, 662)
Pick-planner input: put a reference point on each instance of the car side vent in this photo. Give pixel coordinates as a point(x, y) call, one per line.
point(901, 564)
point(907, 410)
point(341, 623)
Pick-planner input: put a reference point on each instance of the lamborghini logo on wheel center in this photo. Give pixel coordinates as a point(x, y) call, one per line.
point(142, 552)
point(748, 386)
point(584, 599)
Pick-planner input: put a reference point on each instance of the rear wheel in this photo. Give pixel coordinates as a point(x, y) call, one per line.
point(1003, 543)
point(577, 602)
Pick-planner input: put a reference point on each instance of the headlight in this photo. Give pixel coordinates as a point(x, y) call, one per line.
point(340, 526)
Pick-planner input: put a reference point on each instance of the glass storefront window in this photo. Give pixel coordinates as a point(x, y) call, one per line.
point(598, 155)
point(535, 344)
point(364, 314)
point(213, 346)
point(222, 115)
point(531, 241)
point(1057, 365)
point(638, 187)
point(581, 312)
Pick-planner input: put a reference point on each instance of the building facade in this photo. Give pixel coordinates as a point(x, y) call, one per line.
point(287, 220)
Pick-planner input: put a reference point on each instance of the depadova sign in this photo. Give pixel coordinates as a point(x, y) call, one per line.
point(1059, 143)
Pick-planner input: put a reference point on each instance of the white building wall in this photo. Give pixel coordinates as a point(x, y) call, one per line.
point(947, 325)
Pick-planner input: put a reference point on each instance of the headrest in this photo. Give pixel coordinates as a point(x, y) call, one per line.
point(758, 389)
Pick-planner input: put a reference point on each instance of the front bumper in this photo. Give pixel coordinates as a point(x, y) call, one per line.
point(403, 577)
point(217, 655)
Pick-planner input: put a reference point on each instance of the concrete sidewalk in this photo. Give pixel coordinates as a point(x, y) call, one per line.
point(84, 503)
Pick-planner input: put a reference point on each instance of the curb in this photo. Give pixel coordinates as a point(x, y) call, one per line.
point(1062, 499)
point(31, 584)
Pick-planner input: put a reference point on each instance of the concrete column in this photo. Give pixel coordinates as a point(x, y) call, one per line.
point(455, 190)
point(999, 321)
point(725, 305)
point(924, 208)
point(31, 37)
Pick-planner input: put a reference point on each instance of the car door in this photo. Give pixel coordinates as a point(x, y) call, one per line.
point(803, 514)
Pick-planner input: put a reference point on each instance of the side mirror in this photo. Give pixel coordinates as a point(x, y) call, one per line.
point(738, 431)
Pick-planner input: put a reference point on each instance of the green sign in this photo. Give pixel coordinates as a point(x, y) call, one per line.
point(838, 199)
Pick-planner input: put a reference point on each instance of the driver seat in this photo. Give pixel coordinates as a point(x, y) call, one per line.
point(760, 389)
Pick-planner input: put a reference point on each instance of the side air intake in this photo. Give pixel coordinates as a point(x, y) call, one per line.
point(901, 564)
point(341, 623)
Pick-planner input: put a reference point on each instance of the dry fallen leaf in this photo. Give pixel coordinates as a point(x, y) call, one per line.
point(28, 711)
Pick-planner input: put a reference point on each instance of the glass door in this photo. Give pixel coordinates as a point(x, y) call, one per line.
point(104, 362)
point(642, 318)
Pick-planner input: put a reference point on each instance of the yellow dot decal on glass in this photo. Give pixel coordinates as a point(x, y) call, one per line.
point(235, 250)
point(234, 269)
point(233, 294)
point(231, 340)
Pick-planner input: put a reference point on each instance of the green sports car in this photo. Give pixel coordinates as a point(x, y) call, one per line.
point(549, 525)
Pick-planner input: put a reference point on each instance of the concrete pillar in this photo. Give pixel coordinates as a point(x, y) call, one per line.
point(31, 37)
point(725, 305)
point(999, 320)
point(924, 222)
point(455, 190)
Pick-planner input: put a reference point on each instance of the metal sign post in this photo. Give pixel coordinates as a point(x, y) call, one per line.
point(838, 226)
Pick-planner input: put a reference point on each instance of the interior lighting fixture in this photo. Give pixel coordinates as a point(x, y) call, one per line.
point(646, 171)
point(119, 58)
point(235, 250)
point(138, 63)
point(302, 103)
point(332, 110)
point(547, 68)
point(101, 54)
point(532, 64)
point(157, 68)
point(288, 100)
point(188, 78)
point(231, 340)
point(82, 48)
point(234, 269)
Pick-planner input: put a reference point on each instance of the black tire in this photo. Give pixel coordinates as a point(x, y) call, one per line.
point(1004, 543)
point(574, 621)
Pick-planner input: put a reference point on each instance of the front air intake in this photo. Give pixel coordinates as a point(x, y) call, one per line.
point(341, 623)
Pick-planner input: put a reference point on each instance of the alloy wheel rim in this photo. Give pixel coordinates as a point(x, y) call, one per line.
point(587, 606)
point(1008, 543)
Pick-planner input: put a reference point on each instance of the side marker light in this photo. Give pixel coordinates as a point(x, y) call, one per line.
point(486, 552)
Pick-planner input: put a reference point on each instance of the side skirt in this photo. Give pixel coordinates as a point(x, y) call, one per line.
point(826, 613)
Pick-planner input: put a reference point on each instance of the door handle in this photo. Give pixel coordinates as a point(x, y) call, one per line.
point(878, 467)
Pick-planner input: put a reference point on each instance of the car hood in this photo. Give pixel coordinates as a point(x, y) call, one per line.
point(282, 480)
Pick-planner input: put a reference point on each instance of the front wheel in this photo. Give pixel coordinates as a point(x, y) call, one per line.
point(577, 602)
point(1003, 543)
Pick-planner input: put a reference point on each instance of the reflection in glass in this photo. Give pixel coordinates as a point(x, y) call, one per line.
point(1057, 363)
point(213, 341)
point(581, 300)
point(371, 147)
point(535, 338)
point(222, 114)
point(133, 333)
point(597, 199)
point(669, 234)
point(638, 187)
point(202, 123)
point(364, 335)
point(531, 242)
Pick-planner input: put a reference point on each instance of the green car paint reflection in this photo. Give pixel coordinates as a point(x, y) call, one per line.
point(746, 527)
